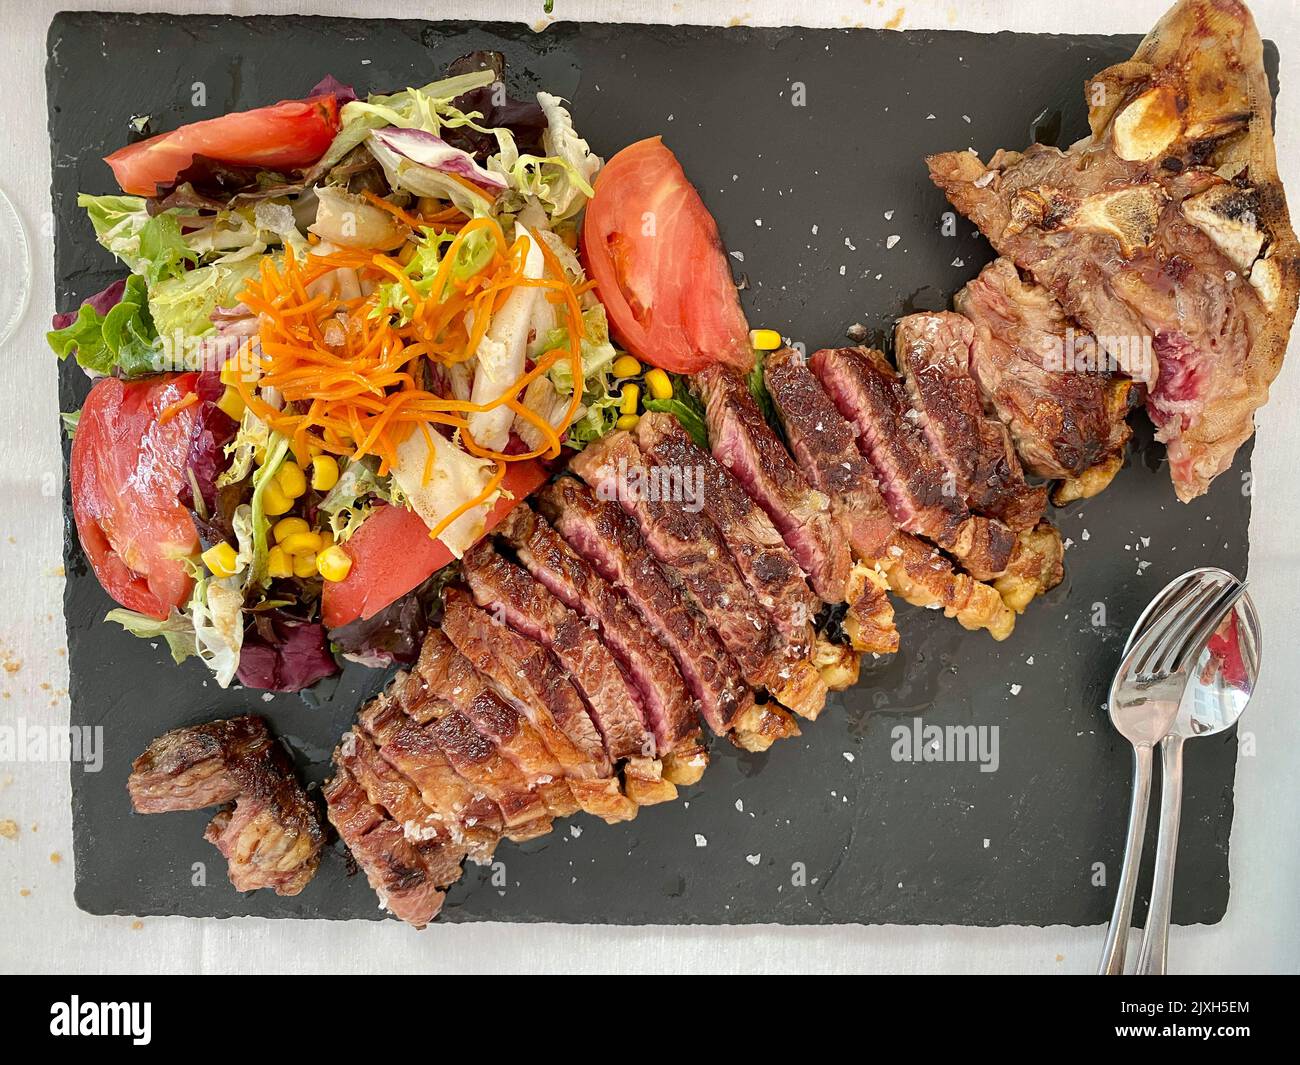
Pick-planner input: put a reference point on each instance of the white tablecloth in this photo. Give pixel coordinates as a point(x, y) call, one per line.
point(41, 928)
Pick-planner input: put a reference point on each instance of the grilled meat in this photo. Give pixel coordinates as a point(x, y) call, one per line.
point(271, 835)
point(573, 581)
point(934, 354)
point(825, 446)
point(1065, 422)
point(743, 442)
point(1165, 234)
point(603, 534)
point(921, 493)
point(690, 549)
point(524, 605)
point(408, 886)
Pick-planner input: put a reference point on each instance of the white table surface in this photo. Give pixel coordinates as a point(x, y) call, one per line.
point(41, 928)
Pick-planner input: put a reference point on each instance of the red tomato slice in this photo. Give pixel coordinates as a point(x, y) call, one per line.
point(126, 472)
point(393, 553)
point(286, 136)
point(653, 251)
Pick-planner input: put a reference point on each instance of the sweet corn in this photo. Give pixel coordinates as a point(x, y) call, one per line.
point(659, 384)
point(407, 253)
point(631, 396)
point(304, 565)
point(764, 339)
point(221, 560)
point(324, 473)
point(287, 527)
point(334, 563)
point(231, 403)
point(274, 501)
point(230, 372)
point(278, 564)
point(627, 421)
point(301, 543)
point(292, 481)
point(626, 366)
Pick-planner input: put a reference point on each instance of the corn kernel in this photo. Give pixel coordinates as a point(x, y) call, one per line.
point(407, 253)
point(274, 501)
point(764, 339)
point(301, 543)
point(278, 564)
point(627, 421)
point(292, 481)
point(334, 563)
point(221, 560)
point(230, 372)
point(631, 396)
point(659, 384)
point(324, 473)
point(286, 527)
point(626, 366)
point(231, 403)
point(304, 565)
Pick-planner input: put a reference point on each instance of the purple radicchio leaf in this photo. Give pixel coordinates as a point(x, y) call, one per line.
point(434, 153)
point(283, 654)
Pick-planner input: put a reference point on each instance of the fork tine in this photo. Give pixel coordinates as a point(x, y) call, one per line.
point(1163, 657)
point(1154, 632)
point(1209, 624)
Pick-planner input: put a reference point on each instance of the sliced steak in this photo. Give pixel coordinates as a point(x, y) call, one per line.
point(691, 551)
point(920, 491)
point(386, 788)
point(743, 442)
point(1065, 423)
point(760, 554)
point(471, 817)
point(934, 355)
point(452, 678)
point(272, 833)
point(825, 446)
point(573, 581)
point(603, 534)
point(407, 886)
point(523, 604)
point(477, 759)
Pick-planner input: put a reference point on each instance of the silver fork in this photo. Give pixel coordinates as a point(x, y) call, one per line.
point(1144, 699)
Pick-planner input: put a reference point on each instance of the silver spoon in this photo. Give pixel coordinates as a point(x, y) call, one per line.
point(1218, 689)
point(1144, 700)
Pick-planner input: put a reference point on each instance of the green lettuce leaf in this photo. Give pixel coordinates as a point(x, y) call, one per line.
point(686, 408)
point(177, 630)
point(123, 341)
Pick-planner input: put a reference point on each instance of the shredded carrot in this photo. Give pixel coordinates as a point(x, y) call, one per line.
point(347, 369)
point(168, 413)
point(392, 208)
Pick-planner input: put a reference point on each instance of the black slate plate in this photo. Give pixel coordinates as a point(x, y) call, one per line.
point(825, 828)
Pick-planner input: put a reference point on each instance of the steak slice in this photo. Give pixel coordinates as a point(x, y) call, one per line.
point(765, 562)
point(934, 355)
point(387, 789)
point(524, 672)
point(1066, 424)
point(689, 548)
point(743, 442)
point(408, 886)
point(477, 759)
point(271, 834)
point(825, 445)
point(920, 492)
point(573, 581)
point(603, 534)
point(523, 604)
point(453, 679)
point(472, 818)
point(1165, 234)
point(766, 566)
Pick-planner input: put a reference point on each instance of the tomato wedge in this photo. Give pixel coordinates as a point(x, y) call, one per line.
point(393, 553)
point(286, 136)
point(653, 251)
point(127, 470)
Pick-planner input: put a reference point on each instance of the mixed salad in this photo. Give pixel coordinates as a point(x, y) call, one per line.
point(354, 334)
